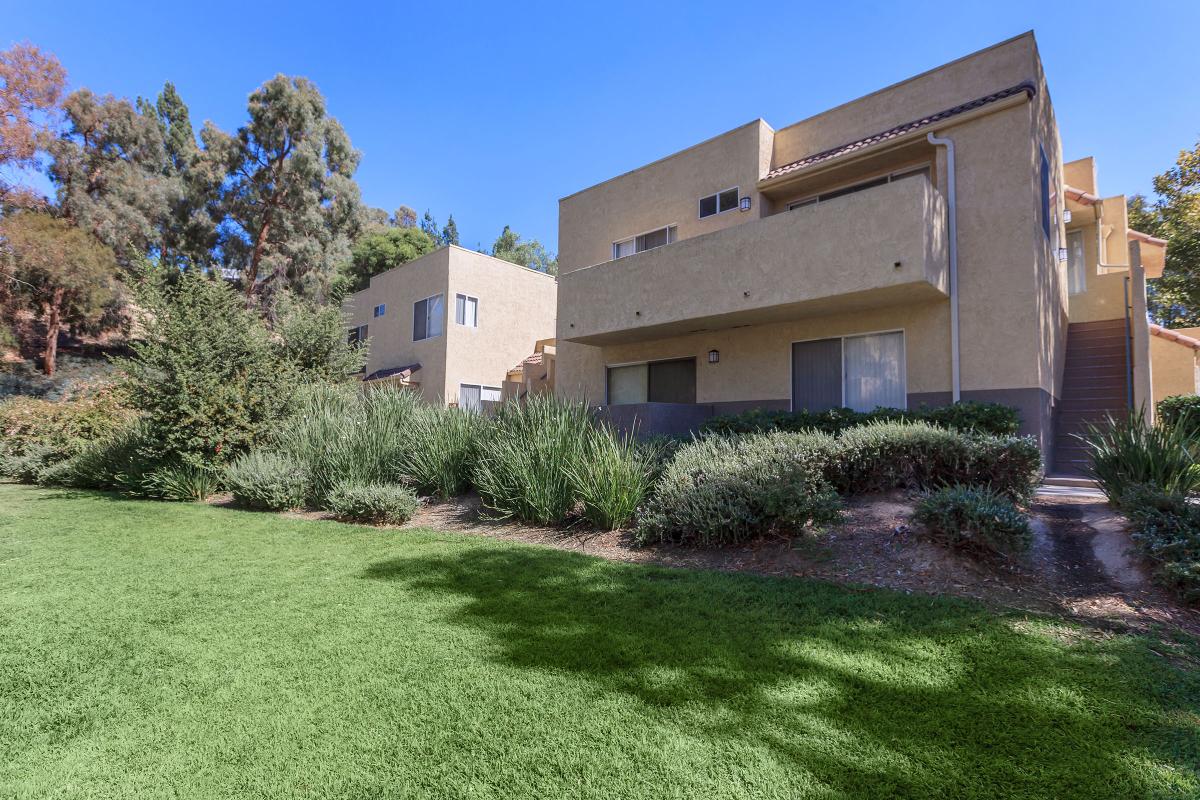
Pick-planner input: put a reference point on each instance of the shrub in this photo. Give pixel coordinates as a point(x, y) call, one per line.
point(974, 518)
point(182, 482)
point(1167, 530)
point(526, 457)
point(989, 418)
point(118, 462)
point(914, 455)
point(612, 476)
point(1129, 451)
point(442, 445)
point(372, 502)
point(267, 481)
point(721, 490)
point(343, 434)
point(1181, 410)
point(35, 434)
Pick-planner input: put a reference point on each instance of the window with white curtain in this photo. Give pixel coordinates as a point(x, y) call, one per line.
point(466, 310)
point(1076, 263)
point(860, 372)
point(471, 396)
point(873, 369)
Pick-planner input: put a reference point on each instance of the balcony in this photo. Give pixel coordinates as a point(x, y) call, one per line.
point(881, 246)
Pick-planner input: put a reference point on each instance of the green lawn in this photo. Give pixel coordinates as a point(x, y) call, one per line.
point(157, 650)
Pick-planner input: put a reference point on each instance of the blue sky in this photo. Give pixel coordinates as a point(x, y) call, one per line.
point(493, 112)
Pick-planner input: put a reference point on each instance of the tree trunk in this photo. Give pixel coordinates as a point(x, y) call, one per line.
point(260, 242)
point(53, 326)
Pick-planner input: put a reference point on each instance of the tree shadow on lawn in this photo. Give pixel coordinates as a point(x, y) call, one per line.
point(870, 692)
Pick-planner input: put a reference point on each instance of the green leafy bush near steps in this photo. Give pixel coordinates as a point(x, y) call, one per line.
point(1181, 411)
point(720, 490)
point(989, 418)
point(377, 503)
point(880, 456)
point(1167, 531)
point(1130, 452)
point(267, 481)
point(974, 518)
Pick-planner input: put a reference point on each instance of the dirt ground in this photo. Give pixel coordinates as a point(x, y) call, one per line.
point(1080, 565)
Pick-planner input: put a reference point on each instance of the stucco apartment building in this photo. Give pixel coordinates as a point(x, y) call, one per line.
point(906, 248)
point(451, 324)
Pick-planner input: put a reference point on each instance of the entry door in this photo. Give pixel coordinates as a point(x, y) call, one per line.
point(817, 375)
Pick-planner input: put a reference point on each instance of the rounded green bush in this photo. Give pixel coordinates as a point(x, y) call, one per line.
point(974, 518)
point(266, 481)
point(721, 490)
point(372, 502)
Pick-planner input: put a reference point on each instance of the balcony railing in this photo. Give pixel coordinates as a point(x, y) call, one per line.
point(876, 247)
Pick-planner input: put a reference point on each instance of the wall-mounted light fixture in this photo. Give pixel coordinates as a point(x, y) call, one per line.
point(1062, 254)
point(1066, 216)
point(744, 204)
point(714, 356)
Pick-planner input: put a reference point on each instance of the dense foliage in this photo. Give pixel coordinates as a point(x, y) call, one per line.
point(974, 518)
point(992, 418)
point(1130, 452)
point(442, 447)
point(1167, 530)
point(720, 490)
point(1181, 410)
point(377, 503)
point(267, 481)
point(37, 434)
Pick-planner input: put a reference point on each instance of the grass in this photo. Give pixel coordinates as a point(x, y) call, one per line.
point(162, 650)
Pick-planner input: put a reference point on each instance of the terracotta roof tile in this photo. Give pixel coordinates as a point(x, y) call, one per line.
point(924, 122)
point(392, 372)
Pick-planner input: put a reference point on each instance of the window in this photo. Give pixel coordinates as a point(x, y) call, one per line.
point(858, 372)
point(357, 335)
point(1045, 194)
point(1076, 263)
point(466, 310)
point(719, 203)
point(472, 396)
point(909, 172)
point(427, 317)
point(646, 241)
point(380, 310)
point(671, 381)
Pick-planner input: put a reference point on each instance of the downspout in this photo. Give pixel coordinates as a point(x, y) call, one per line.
point(952, 233)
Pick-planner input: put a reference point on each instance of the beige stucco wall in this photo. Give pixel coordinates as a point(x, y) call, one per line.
point(1173, 368)
point(755, 361)
point(666, 192)
point(516, 308)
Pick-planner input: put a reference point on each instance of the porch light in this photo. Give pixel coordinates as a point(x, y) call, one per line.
point(1062, 254)
point(1066, 216)
point(744, 204)
point(714, 356)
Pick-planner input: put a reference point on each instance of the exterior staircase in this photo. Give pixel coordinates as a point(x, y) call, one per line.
point(1095, 385)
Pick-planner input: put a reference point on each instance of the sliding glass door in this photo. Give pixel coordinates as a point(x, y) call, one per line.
point(858, 372)
point(671, 381)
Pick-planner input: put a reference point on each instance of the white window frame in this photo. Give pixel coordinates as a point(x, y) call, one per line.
point(672, 237)
point(379, 311)
point(466, 298)
point(842, 339)
point(892, 177)
point(426, 300)
point(717, 199)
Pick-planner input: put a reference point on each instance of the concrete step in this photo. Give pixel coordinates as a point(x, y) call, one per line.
point(1056, 479)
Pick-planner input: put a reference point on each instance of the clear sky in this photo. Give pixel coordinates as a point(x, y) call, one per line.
point(493, 112)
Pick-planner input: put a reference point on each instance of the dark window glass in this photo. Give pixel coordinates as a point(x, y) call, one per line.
point(420, 316)
point(1045, 196)
point(649, 241)
point(672, 381)
point(708, 205)
point(727, 201)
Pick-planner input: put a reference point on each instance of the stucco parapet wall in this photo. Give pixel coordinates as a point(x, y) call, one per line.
point(873, 248)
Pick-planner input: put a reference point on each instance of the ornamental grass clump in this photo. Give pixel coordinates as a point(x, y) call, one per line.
point(974, 518)
point(375, 503)
point(442, 448)
point(613, 476)
point(183, 482)
point(344, 434)
point(1131, 452)
point(719, 491)
point(525, 461)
